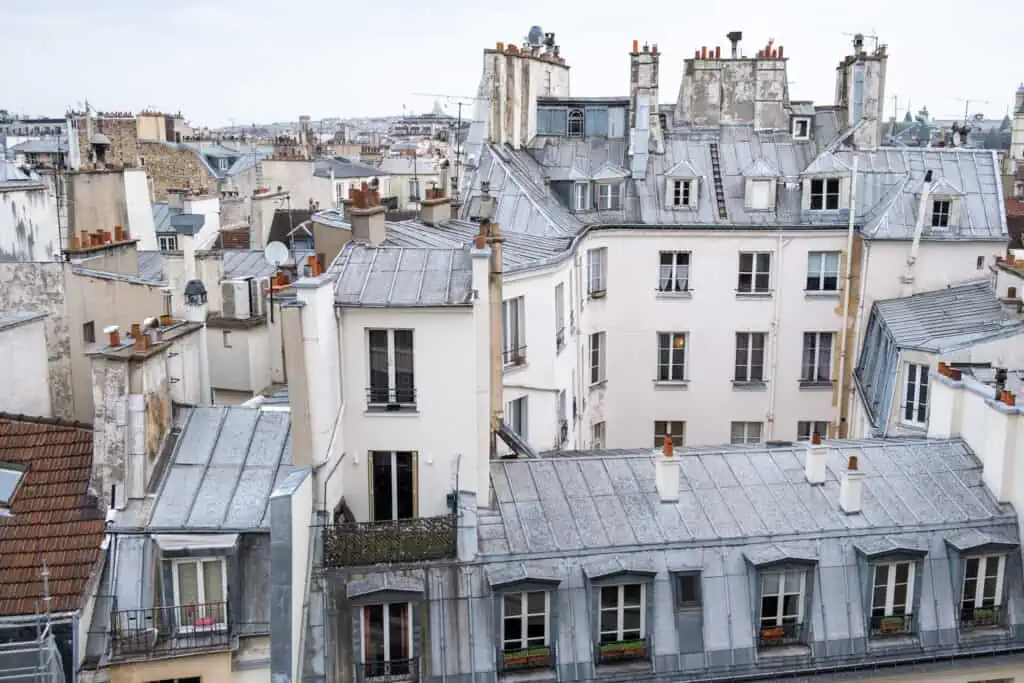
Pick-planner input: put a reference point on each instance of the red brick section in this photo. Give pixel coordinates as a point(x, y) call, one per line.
point(52, 517)
point(1015, 222)
point(234, 239)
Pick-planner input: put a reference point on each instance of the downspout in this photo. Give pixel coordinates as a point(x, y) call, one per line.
point(915, 245)
point(776, 322)
point(887, 418)
point(848, 286)
point(468, 588)
point(495, 239)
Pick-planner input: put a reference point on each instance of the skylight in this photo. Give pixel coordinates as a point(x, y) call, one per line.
point(10, 477)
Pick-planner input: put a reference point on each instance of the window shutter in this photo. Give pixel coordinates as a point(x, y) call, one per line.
point(357, 643)
point(417, 630)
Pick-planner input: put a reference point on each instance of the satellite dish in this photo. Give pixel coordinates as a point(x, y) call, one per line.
point(276, 254)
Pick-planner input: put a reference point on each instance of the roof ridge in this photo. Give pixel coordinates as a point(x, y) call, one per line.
point(40, 420)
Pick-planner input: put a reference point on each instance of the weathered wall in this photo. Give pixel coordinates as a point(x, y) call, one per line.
point(139, 209)
point(28, 225)
point(24, 376)
point(296, 177)
point(40, 287)
point(124, 140)
point(151, 126)
point(172, 167)
point(96, 201)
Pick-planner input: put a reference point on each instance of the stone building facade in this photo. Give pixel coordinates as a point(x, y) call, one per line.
point(173, 166)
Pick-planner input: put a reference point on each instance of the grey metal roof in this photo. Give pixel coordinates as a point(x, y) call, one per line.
point(15, 318)
point(162, 219)
point(946, 319)
point(225, 464)
point(402, 276)
point(10, 173)
point(187, 223)
point(118, 277)
point(245, 263)
point(42, 146)
point(152, 266)
point(343, 168)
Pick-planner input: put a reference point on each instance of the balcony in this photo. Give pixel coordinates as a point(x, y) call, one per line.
point(164, 631)
point(992, 616)
point(390, 398)
point(895, 625)
point(617, 651)
point(781, 635)
point(523, 660)
point(354, 544)
point(393, 671)
point(513, 358)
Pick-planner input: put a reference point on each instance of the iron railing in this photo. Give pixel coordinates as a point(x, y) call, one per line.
point(353, 544)
point(982, 617)
point(781, 634)
point(614, 651)
point(169, 629)
point(540, 657)
point(894, 625)
point(393, 671)
point(390, 398)
point(514, 357)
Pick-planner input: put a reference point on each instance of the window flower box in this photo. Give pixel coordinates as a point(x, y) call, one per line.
point(624, 650)
point(532, 658)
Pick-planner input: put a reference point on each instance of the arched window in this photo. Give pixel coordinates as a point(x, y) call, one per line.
point(576, 122)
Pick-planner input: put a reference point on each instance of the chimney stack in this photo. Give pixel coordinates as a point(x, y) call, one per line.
point(113, 333)
point(666, 473)
point(434, 208)
point(366, 216)
point(814, 464)
point(851, 488)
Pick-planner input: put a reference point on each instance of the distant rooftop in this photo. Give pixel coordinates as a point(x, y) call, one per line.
point(402, 276)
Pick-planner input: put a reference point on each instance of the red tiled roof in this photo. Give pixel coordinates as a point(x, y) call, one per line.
point(52, 517)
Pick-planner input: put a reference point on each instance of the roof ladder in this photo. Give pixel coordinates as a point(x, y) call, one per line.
point(716, 170)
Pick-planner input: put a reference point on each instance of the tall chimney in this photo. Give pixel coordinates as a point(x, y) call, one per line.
point(735, 37)
point(367, 216)
point(480, 255)
point(666, 472)
point(814, 464)
point(851, 488)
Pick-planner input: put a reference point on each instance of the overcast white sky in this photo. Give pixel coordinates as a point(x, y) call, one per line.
point(223, 61)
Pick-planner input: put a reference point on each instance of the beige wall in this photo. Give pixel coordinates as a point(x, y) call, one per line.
point(96, 201)
point(151, 127)
point(215, 668)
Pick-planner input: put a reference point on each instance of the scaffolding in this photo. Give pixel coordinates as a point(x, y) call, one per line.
point(30, 658)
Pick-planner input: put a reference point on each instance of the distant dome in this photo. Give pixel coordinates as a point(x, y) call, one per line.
point(535, 36)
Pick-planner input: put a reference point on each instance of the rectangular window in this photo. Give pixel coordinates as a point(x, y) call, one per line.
point(89, 332)
point(755, 272)
point(915, 394)
point(760, 198)
point(581, 196)
point(199, 593)
point(680, 193)
point(226, 337)
point(622, 614)
point(559, 316)
point(597, 435)
point(671, 356)
point(801, 129)
point(609, 196)
point(387, 641)
point(597, 354)
point(516, 416)
point(825, 194)
point(782, 607)
point(892, 599)
point(806, 428)
point(414, 189)
point(822, 271)
point(525, 629)
point(745, 433)
point(941, 212)
point(597, 262)
point(168, 242)
point(816, 365)
point(391, 368)
point(688, 590)
point(513, 321)
point(674, 429)
point(749, 357)
point(392, 485)
point(981, 601)
point(674, 271)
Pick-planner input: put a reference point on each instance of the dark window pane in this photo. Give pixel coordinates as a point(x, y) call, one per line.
point(689, 589)
point(374, 617)
point(378, 366)
point(769, 606)
point(398, 626)
point(609, 621)
point(609, 596)
point(631, 594)
point(406, 485)
point(381, 477)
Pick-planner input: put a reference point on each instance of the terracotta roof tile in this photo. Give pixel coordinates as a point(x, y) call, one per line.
point(52, 517)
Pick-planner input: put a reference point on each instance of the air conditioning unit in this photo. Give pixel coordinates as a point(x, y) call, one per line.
point(235, 300)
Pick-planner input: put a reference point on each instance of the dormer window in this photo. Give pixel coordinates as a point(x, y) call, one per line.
point(942, 211)
point(760, 197)
point(682, 194)
point(981, 602)
point(609, 196)
point(824, 194)
point(801, 128)
point(581, 196)
point(576, 125)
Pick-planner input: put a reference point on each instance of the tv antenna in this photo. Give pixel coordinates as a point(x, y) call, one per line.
point(277, 255)
point(967, 107)
point(459, 101)
point(861, 37)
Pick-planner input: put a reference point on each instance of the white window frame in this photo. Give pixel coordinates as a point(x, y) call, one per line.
point(935, 218)
point(916, 392)
point(889, 605)
point(754, 272)
point(201, 592)
point(598, 354)
point(748, 362)
point(978, 599)
point(513, 331)
point(750, 430)
point(518, 411)
point(620, 611)
point(820, 346)
point(675, 429)
point(386, 618)
point(168, 242)
point(393, 474)
point(797, 135)
point(581, 196)
point(676, 344)
point(805, 429)
point(574, 116)
point(597, 435)
point(681, 192)
point(223, 164)
point(752, 201)
point(524, 616)
point(414, 189)
point(780, 618)
point(831, 193)
point(597, 267)
point(609, 196)
point(820, 266)
point(674, 276)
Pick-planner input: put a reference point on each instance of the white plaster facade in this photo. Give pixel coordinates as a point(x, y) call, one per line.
point(28, 223)
point(25, 372)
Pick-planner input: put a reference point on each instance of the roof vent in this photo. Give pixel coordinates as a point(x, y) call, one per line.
point(666, 475)
point(817, 456)
point(851, 487)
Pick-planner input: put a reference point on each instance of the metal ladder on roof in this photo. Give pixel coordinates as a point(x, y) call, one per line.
point(716, 170)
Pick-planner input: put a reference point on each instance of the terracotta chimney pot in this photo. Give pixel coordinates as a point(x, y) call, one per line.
point(636, 46)
point(668, 446)
point(852, 464)
point(816, 438)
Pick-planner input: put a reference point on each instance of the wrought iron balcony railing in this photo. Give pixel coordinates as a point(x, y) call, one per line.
point(514, 357)
point(895, 625)
point(993, 616)
point(782, 634)
point(390, 398)
point(170, 629)
point(392, 671)
point(353, 544)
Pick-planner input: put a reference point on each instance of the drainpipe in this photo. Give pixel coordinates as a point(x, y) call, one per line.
point(774, 341)
point(915, 245)
point(495, 239)
point(846, 301)
point(864, 269)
